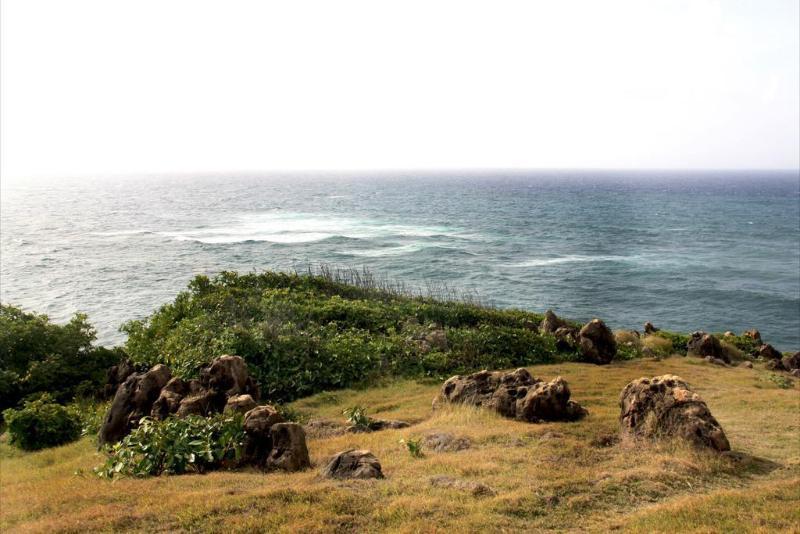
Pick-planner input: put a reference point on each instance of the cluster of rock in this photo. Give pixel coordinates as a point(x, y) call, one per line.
point(663, 407)
point(594, 340)
point(709, 347)
point(224, 385)
point(514, 394)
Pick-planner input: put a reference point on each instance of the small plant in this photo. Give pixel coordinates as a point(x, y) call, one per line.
point(357, 416)
point(781, 381)
point(174, 446)
point(414, 447)
point(291, 414)
point(41, 423)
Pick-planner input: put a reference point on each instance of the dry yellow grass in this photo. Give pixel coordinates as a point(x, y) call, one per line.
point(551, 476)
point(658, 345)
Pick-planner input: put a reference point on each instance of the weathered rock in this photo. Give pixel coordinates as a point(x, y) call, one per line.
point(551, 322)
point(747, 365)
point(703, 345)
point(795, 373)
point(289, 451)
point(323, 428)
point(649, 328)
point(774, 365)
point(792, 362)
point(239, 404)
point(516, 394)
point(353, 463)
point(755, 335)
point(133, 400)
point(228, 375)
point(375, 425)
point(445, 442)
point(663, 407)
point(477, 489)
point(566, 337)
point(169, 399)
point(597, 343)
point(768, 352)
point(258, 424)
point(115, 376)
point(728, 333)
point(205, 402)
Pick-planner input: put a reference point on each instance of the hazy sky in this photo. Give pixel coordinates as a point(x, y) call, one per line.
point(183, 86)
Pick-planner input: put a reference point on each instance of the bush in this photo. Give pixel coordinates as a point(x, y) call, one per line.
point(658, 345)
point(41, 423)
point(37, 356)
point(174, 446)
point(677, 341)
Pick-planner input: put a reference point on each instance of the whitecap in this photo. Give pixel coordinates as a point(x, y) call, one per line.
point(541, 262)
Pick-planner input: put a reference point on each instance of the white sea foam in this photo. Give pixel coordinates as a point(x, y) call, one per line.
point(540, 262)
point(303, 228)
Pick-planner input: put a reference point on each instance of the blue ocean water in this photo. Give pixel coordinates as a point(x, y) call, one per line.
point(714, 250)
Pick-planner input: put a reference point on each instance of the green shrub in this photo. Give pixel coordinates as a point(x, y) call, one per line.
point(414, 447)
point(357, 416)
point(174, 446)
point(41, 423)
point(678, 341)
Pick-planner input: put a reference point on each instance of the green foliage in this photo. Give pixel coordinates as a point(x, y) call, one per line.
point(678, 341)
point(90, 413)
point(357, 416)
point(41, 423)
point(38, 356)
point(174, 446)
point(304, 333)
point(783, 382)
point(414, 447)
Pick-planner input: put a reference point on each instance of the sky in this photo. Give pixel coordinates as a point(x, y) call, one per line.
point(110, 87)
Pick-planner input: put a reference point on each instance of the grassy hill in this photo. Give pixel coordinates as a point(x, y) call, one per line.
point(563, 476)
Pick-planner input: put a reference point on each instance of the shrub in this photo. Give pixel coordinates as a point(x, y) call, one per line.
point(658, 345)
point(678, 341)
point(41, 423)
point(414, 447)
point(731, 351)
point(629, 344)
point(174, 446)
point(357, 416)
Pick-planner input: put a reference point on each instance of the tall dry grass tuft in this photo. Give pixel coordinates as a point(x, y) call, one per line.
point(657, 345)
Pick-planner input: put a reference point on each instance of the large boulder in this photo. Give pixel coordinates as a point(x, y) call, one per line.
point(240, 404)
point(755, 335)
point(353, 463)
point(289, 451)
point(597, 343)
point(258, 424)
point(203, 402)
point(115, 376)
point(790, 363)
point(228, 375)
point(516, 394)
point(704, 345)
point(551, 322)
point(169, 400)
point(663, 407)
point(133, 400)
point(649, 328)
point(768, 352)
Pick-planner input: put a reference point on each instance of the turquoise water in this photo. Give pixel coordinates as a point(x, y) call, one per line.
point(687, 251)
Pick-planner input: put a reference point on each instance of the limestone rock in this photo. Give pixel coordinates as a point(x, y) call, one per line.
point(289, 451)
point(445, 442)
point(133, 400)
point(477, 489)
point(768, 352)
point(239, 404)
point(115, 376)
point(170, 398)
point(755, 335)
point(597, 343)
point(258, 424)
point(551, 322)
point(228, 375)
point(663, 407)
point(792, 362)
point(353, 463)
point(703, 345)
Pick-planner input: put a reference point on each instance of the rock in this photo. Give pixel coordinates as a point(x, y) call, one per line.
point(353, 463)
point(795, 373)
point(258, 424)
point(774, 365)
point(437, 339)
point(768, 352)
point(566, 338)
point(792, 362)
point(516, 394)
point(548, 401)
point(205, 402)
point(239, 404)
point(755, 335)
point(715, 361)
point(551, 322)
point(445, 442)
point(597, 343)
point(386, 424)
point(289, 451)
point(115, 376)
point(747, 365)
point(649, 328)
point(477, 489)
point(133, 400)
point(169, 399)
point(664, 407)
point(228, 375)
point(728, 333)
point(323, 428)
point(702, 344)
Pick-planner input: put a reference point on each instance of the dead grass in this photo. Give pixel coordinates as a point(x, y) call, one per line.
point(658, 345)
point(564, 476)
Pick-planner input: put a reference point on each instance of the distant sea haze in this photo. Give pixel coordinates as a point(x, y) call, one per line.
point(688, 251)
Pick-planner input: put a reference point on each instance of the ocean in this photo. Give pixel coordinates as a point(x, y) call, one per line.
point(688, 251)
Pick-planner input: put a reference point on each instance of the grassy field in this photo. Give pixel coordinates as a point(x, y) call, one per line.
point(559, 476)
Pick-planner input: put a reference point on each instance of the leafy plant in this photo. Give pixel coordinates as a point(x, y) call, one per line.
point(41, 423)
point(414, 447)
point(357, 416)
point(174, 446)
